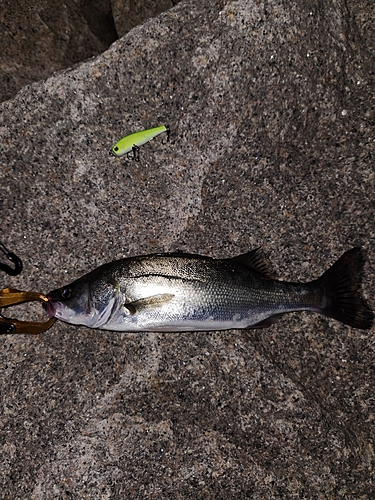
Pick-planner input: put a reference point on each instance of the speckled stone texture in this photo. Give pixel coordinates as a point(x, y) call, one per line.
point(38, 37)
point(271, 110)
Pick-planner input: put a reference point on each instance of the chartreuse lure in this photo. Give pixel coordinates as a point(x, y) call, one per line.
point(132, 141)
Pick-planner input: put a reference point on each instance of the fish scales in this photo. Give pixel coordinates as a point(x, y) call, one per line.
point(182, 292)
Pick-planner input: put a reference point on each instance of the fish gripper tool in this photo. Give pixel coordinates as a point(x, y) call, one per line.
point(11, 296)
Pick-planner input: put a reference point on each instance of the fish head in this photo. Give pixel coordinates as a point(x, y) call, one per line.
point(84, 302)
point(70, 303)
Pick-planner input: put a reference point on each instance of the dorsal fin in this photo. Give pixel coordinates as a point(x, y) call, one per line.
point(256, 261)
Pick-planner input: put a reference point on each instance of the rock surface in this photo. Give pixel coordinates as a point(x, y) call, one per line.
point(130, 13)
point(271, 108)
point(39, 37)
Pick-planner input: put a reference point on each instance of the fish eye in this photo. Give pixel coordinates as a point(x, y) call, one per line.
point(66, 293)
point(115, 148)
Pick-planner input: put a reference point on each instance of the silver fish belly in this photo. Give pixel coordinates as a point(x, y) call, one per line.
point(178, 292)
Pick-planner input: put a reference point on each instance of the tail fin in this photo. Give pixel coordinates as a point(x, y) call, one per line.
point(342, 283)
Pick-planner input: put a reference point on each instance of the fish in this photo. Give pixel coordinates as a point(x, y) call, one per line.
point(132, 141)
point(176, 292)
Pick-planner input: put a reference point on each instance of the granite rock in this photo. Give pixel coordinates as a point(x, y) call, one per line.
point(271, 112)
point(39, 37)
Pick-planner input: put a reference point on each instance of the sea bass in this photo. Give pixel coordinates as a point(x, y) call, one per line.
point(182, 292)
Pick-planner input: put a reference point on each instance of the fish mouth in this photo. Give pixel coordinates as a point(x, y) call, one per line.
point(49, 307)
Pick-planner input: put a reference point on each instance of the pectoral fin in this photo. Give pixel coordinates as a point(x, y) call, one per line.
point(148, 303)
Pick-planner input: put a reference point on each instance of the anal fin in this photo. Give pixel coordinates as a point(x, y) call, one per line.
point(265, 323)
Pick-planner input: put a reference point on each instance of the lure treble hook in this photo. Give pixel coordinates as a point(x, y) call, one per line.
point(13, 258)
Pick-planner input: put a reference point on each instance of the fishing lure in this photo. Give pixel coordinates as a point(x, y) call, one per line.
point(132, 141)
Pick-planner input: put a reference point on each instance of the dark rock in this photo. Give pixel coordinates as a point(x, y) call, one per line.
point(271, 114)
point(43, 36)
point(130, 13)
